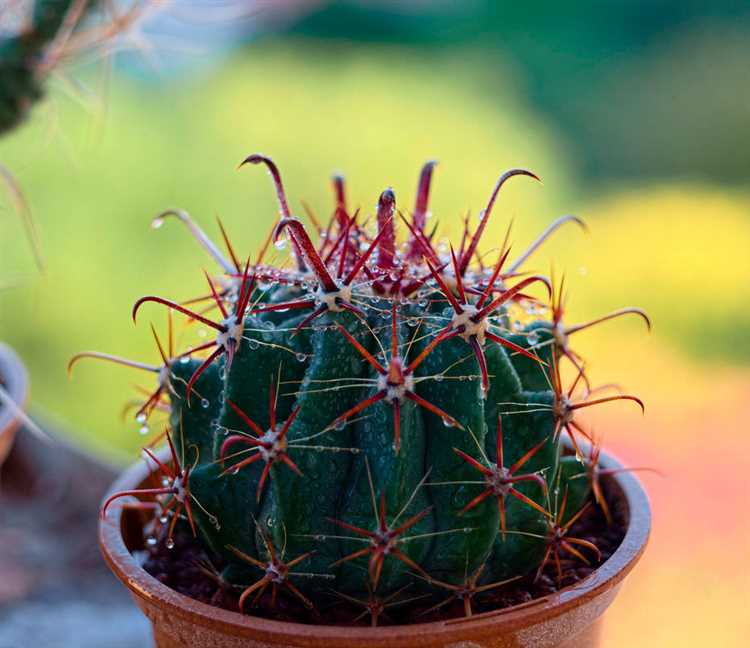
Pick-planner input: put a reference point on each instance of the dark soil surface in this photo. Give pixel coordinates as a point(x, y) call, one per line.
point(187, 569)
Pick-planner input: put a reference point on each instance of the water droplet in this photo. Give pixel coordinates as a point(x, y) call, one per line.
point(204, 403)
point(340, 425)
point(301, 357)
point(533, 337)
point(412, 321)
point(144, 430)
point(280, 244)
point(141, 418)
point(184, 360)
point(163, 519)
point(151, 541)
point(157, 223)
point(169, 543)
point(439, 378)
point(253, 344)
point(447, 422)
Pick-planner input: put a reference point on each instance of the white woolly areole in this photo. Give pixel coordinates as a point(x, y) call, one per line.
point(395, 392)
point(274, 573)
point(563, 411)
point(498, 481)
point(164, 376)
point(560, 336)
point(329, 298)
point(272, 446)
point(180, 493)
point(233, 332)
point(384, 540)
point(470, 327)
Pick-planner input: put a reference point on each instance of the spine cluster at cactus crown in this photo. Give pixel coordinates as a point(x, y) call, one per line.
point(380, 414)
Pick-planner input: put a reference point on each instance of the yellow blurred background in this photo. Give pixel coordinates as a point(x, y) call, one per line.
point(96, 164)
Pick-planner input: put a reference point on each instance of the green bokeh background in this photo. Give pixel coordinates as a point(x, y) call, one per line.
point(638, 126)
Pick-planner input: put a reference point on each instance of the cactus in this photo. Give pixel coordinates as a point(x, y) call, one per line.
point(22, 57)
point(50, 35)
point(383, 417)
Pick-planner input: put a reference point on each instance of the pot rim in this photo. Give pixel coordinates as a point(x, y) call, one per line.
point(604, 578)
point(16, 382)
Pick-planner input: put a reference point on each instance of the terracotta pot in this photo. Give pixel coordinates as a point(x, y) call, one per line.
point(15, 381)
point(570, 618)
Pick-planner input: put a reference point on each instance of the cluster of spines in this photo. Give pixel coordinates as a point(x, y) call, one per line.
point(356, 283)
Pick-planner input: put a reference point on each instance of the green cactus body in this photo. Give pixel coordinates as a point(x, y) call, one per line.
point(190, 420)
point(300, 508)
point(456, 550)
point(392, 427)
point(396, 477)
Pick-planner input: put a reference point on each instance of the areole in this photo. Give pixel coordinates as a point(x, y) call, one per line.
point(569, 618)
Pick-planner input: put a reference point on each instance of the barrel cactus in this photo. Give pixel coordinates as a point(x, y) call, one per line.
point(381, 415)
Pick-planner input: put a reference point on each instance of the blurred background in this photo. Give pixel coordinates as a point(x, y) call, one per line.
point(635, 114)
